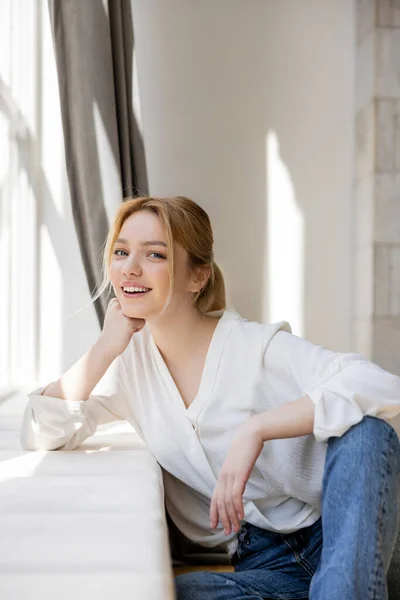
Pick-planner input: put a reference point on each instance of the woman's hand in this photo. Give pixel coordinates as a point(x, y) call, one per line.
point(118, 328)
point(226, 501)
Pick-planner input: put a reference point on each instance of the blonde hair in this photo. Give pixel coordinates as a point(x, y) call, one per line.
point(186, 223)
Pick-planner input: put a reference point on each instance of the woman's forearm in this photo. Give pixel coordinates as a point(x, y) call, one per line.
point(290, 420)
point(78, 382)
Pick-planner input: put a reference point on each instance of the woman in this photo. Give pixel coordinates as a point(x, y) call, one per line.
point(259, 432)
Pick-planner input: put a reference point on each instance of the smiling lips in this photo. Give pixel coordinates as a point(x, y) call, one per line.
point(133, 291)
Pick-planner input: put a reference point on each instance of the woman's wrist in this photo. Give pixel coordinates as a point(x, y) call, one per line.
point(105, 349)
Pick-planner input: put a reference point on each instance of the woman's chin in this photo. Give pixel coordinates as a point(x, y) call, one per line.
point(140, 308)
point(130, 310)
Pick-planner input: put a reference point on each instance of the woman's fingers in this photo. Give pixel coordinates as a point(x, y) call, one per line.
point(227, 503)
point(223, 514)
point(230, 506)
point(237, 496)
point(214, 509)
point(218, 510)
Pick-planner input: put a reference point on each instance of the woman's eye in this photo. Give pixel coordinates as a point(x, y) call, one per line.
point(152, 254)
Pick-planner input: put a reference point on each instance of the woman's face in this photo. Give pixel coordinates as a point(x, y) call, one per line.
point(140, 260)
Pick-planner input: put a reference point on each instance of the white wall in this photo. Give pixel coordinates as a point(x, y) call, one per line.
point(247, 107)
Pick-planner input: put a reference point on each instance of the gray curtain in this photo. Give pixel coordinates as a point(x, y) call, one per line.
point(104, 152)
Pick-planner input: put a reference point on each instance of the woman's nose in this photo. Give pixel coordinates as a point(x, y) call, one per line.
point(131, 266)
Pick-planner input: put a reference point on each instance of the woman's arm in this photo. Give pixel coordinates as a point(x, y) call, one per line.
point(53, 423)
point(78, 382)
point(289, 420)
point(95, 390)
point(343, 387)
point(334, 391)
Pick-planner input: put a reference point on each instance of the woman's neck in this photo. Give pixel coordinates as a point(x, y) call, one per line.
point(183, 334)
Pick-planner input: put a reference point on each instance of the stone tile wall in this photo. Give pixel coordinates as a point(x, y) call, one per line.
point(377, 186)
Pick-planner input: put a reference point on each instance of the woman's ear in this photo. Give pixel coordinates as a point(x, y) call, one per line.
point(200, 278)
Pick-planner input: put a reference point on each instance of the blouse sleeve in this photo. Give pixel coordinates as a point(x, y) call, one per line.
point(344, 387)
point(50, 423)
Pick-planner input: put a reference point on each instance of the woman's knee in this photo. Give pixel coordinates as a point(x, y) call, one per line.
point(371, 448)
point(373, 432)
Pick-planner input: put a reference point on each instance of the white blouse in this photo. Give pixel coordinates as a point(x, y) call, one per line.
point(249, 368)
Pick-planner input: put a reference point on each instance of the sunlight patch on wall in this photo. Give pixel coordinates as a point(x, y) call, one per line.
point(284, 250)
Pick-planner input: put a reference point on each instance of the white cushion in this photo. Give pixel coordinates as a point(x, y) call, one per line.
point(83, 524)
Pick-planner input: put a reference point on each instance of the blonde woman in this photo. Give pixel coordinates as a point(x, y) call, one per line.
point(281, 450)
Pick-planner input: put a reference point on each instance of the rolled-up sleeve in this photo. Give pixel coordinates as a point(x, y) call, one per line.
point(344, 387)
point(50, 423)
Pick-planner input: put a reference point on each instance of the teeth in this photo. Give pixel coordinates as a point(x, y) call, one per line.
point(134, 289)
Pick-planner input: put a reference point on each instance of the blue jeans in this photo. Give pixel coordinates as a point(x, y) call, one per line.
point(345, 554)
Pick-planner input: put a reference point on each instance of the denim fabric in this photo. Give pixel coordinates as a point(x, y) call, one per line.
point(345, 554)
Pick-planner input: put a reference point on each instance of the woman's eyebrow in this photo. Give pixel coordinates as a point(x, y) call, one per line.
point(148, 243)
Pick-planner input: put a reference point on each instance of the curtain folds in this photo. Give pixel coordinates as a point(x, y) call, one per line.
point(104, 152)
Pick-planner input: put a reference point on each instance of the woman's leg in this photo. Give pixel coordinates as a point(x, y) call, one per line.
point(244, 585)
point(267, 565)
point(360, 513)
